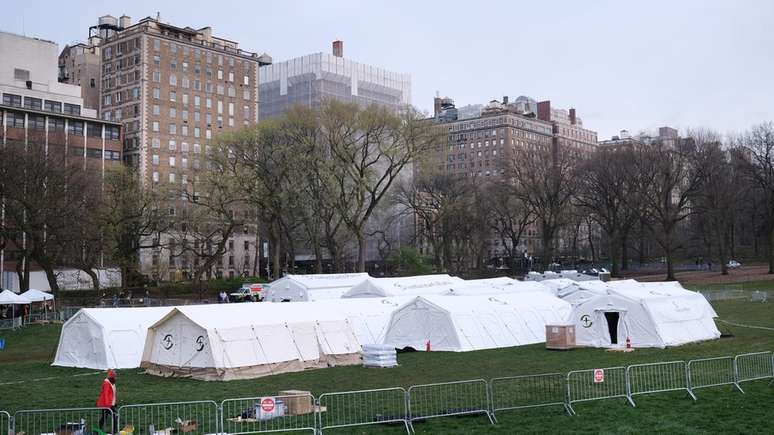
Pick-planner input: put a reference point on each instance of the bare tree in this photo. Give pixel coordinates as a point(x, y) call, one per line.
point(544, 179)
point(369, 148)
point(758, 148)
point(508, 215)
point(607, 192)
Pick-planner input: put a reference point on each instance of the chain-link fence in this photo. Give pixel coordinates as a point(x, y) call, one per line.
point(449, 398)
point(200, 417)
point(711, 372)
point(362, 408)
point(280, 413)
point(84, 421)
point(528, 391)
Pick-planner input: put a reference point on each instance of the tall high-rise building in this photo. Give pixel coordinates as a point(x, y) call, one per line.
point(310, 79)
point(174, 89)
point(569, 133)
point(37, 111)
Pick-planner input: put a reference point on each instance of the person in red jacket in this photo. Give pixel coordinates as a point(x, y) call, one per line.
point(107, 401)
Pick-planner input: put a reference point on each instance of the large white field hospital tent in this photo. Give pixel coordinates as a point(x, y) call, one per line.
point(239, 341)
point(649, 314)
point(494, 286)
point(467, 323)
point(404, 286)
point(106, 338)
point(313, 287)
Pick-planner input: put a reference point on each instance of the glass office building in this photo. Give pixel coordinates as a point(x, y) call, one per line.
point(308, 80)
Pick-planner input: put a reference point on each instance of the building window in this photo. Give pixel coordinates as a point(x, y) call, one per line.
point(173, 80)
point(112, 132)
point(184, 130)
point(75, 128)
point(72, 109)
point(157, 93)
point(172, 177)
point(36, 122)
point(56, 124)
point(172, 145)
point(156, 44)
point(93, 130)
point(12, 100)
point(156, 142)
point(155, 126)
point(172, 96)
point(155, 178)
point(184, 163)
point(53, 106)
point(156, 110)
point(172, 161)
point(33, 103)
point(172, 128)
point(155, 159)
point(184, 147)
point(197, 148)
point(172, 112)
point(156, 76)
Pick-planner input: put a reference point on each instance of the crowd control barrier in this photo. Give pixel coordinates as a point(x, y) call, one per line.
point(528, 391)
point(596, 384)
point(711, 372)
point(449, 398)
point(200, 417)
point(658, 377)
point(264, 414)
point(363, 408)
point(59, 421)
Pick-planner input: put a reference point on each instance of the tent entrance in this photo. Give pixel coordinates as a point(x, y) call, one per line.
point(612, 325)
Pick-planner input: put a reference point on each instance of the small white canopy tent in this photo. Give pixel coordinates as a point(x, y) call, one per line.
point(8, 297)
point(403, 286)
point(650, 316)
point(313, 287)
point(104, 338)
point(467, 323)
point(37, 295)
point(241, 341)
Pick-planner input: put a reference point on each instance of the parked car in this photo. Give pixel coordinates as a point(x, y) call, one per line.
point(733, 264)
point(247, 293)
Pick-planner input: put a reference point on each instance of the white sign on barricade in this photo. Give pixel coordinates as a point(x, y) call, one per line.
point(362, 408)
point(199, 417)
point(528, 391)
point(711, 372)
point(657, 378)
point(281, 413)
point(596, 384)
point(449, 398)
point(60, 421)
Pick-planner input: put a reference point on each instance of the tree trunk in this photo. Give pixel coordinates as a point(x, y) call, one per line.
point(361, 251)
point(23, 271)
point(615, 245)
point(771, 250)
point(318, 265)
point(51, 277)
point(668, 253)
point(94, 277)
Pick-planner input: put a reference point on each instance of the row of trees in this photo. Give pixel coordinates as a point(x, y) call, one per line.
point(329, 178)
point(697, 196)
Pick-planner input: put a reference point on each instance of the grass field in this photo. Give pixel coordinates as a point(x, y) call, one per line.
point(27, 381)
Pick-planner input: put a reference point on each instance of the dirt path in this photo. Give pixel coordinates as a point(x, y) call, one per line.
point(754, 272)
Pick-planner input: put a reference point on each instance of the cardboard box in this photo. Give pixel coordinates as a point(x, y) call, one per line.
point(560, 337)
point(188, 426)
point(297, 402)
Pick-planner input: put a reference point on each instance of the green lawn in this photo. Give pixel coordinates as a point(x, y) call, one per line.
point(29, 351)
point(766, 285)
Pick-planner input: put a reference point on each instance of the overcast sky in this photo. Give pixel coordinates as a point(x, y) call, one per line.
point(622, 64)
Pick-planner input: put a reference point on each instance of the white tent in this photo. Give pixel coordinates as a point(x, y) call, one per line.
point(404, 286)
point(38, 295)
point(240, 341)
point(649, 315)
point(467, 323)
point(103, 338)
point(8, 297)
point(313, 287)
point(494, 286)
point(579, 292)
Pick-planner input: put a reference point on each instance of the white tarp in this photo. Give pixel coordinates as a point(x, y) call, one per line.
point(649, 314)
point(494, 286)
point(313, 287)
point(105, 338)
point(404, 286)
point(237, 341)
point(468, 323)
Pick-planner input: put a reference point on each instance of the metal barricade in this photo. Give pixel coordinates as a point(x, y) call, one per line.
point(657, 378)
point(5, 423)
point(711, 372)
point(83, 421)
point(281, 413)
point(449, 398)
point(529, 391)
point(200, 417)
point(596, 384)
point(753, 366)
point(362, 408)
